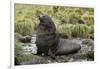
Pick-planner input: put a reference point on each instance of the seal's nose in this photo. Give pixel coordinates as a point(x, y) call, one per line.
point(40, 16)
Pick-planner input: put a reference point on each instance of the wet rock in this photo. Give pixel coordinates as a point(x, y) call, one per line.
point(88, 42)
point(87, 50)
point(33, 39)
point(24, 39)
point(29, 48)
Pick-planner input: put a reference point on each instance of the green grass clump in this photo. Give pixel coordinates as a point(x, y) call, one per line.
point(23, 58)
point(66, 29)
point(75, 30)
point(73, 18)
point(19, 57)
point(89, 19)
point(24, 28)
point(18, 50)
point(80, 30)
point(18, 47)
point(91, 29)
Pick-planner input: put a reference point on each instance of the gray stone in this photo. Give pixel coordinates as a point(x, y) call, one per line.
point(36, 60)
point(24, 39)
point(29, 48)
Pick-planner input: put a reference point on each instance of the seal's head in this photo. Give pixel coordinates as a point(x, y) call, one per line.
point(45, 19)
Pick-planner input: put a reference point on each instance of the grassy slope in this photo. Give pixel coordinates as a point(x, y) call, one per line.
point(65, 18)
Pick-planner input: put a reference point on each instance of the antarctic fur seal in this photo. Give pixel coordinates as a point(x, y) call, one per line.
point(46, 39)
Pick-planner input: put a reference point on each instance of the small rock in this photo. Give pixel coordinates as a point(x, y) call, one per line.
point(36, 60)
point(29, 49)
point(33, 39)
point(24, 39)
point(89, 42)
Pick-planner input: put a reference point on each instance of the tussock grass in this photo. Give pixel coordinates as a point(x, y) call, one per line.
point(65, 29)
point(76, 30)
point(80, 30)
point(91, 29)
point(19, 57)
point(24, 28)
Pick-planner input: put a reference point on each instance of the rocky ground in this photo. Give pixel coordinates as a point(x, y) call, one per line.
point(86, 53)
